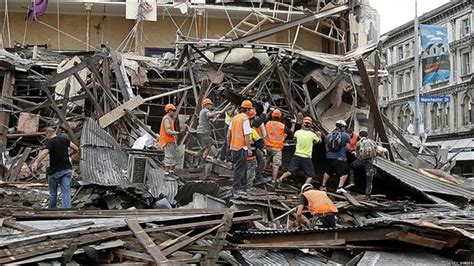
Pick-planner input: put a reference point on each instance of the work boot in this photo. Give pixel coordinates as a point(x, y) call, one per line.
point(367, 197)
point(323, 188)
point(350, 185)
point(262, 181)
point(341, 190)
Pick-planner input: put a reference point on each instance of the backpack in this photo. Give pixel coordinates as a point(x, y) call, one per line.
point(334, 141)
point(368, 149)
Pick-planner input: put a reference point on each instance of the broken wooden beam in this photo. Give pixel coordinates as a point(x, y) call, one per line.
point(146, 241)
point(132, 104)
point(189, 241)
point(219, 239)
point(374, 108)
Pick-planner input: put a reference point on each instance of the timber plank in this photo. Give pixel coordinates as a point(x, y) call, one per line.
point(146, 241)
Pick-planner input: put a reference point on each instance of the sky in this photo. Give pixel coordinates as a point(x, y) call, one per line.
point(394, 13)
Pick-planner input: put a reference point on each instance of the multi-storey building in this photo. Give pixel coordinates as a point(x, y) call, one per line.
point(448, 125)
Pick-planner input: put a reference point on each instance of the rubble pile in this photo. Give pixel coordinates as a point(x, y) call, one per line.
point(126, 208)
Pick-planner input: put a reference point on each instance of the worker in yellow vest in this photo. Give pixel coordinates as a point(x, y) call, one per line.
point(274, 141)
point(319, 205)
point(238, 137)
point(302, 160)
point(167, 139)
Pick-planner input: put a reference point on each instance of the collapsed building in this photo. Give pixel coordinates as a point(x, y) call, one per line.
point(319, 59)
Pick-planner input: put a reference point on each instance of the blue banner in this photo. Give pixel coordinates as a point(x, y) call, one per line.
point(435, 99)
point(434, 54)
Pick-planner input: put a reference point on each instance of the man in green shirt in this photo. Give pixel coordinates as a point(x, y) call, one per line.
point(305, 139)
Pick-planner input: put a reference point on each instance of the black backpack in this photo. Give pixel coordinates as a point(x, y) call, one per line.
point(334, 141)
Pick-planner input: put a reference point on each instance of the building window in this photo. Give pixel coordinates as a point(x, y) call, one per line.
point(399, 119)
point(466, 110)
point(435, 116)
point(465, 63)
point(407, 50)
point(465, 27)
point(446, 115)
point(408, 84)
point(400, 83)
point(385, 59)
point(400, 53)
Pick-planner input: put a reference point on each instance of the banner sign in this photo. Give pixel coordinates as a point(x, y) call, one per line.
point(434, 54)
point(435, 99)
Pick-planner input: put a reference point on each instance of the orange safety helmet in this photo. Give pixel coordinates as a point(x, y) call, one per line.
point(207, 101)
point(247, 104)
point(276, 113)
point(307, 120)
point(252, 113)
point(170, 107)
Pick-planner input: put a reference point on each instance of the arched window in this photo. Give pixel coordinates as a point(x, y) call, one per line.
point(466, 110)
point(400, 119)
point(434, 116)
point(445, 115)
point(405, 118)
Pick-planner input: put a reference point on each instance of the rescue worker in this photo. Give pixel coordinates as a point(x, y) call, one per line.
point(256, 144)
point(351, 146)
point(302, 160)
point(366, 150)
point(258, 122)
point(319, 205)
point(167, 139)
point(336, 143)
point(238, 138)
point(276, 133)
point(204, 129)
point(224, 153)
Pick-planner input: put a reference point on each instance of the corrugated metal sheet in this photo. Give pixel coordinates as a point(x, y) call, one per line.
point(420, 181)
point(161, 184)
point(102, 160)
point(310, 230)
point(263, 257)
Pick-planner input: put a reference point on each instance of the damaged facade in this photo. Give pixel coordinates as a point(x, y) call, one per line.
point(447, 125)
point(105, 87)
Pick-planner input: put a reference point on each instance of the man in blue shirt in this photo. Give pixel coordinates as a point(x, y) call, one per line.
point(336, 143)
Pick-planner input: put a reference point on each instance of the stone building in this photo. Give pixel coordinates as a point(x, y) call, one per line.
point(447, 125)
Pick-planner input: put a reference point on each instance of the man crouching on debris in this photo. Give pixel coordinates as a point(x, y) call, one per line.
point(238, 137)
point(167, 140)
point(60, 168)
point(319, 205)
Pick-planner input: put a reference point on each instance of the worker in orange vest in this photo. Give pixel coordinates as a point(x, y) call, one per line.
point(351, 146)
point(319, 205)
point(167, 139)
point(238, 137)
point(276, 134)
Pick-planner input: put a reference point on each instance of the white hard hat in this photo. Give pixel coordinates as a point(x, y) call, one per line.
point(306, 187)
point(341, 122)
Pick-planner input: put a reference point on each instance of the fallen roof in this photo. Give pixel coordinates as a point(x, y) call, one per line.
point(103, 162)
point(422, 182)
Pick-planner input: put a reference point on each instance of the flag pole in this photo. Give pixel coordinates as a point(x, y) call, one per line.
point(416, 79)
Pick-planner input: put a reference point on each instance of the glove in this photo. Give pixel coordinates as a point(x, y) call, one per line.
point(265, 106)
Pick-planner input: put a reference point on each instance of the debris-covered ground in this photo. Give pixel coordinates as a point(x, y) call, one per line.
point(126, 208)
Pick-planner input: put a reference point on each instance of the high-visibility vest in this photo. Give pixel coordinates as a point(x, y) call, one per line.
point(165, 138)
point(319, 202)
point(353, 142)
point(259, 131)
point(275, 134)
point(237, 141)
point(253, 137)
